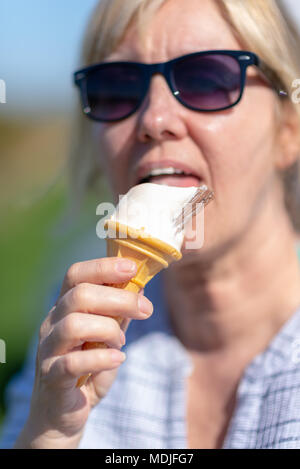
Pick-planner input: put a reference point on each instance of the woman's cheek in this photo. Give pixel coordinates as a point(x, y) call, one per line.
point(116, 146)
point(114, 137)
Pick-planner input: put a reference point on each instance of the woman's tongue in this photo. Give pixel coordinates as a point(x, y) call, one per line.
point(180, 180)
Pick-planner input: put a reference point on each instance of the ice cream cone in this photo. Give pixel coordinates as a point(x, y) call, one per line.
point(150, 254)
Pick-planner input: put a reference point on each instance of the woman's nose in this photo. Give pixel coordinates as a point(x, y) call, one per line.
point(159, 117)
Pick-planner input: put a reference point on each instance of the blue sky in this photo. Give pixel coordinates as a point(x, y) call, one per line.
point(39, 46)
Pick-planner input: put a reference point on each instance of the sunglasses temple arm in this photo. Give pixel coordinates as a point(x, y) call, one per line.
point(270, 77)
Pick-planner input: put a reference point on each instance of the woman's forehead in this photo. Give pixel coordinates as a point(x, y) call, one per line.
point(174, 30)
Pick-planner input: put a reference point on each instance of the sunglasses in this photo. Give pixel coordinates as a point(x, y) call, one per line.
point(206, 81)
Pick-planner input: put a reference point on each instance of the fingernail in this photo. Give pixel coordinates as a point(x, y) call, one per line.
point(122, 338)
point(125, 265)
point(145, 306)
point(117, 356)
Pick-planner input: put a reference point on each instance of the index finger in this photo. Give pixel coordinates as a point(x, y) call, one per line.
point(108, 270)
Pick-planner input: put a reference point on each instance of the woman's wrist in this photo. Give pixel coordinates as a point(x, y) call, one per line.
point(33, 438)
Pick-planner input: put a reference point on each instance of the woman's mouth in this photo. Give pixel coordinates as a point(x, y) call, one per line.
point(171, 176)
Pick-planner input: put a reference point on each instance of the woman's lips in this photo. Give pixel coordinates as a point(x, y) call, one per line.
point(176, 180)
point(169, 172)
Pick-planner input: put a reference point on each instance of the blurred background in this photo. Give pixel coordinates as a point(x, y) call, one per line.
point(39, 50)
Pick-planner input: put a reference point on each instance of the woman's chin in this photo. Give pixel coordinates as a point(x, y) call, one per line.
point(206, 250)
point(194, 248)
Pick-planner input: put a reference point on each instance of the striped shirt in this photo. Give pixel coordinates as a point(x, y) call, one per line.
point(146, 405)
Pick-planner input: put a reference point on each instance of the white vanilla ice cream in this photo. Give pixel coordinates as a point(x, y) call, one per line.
point(154, 208)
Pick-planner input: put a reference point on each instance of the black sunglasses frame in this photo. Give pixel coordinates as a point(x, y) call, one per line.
point(244, 59)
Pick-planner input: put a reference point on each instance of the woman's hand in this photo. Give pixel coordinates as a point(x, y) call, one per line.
point(84, 312)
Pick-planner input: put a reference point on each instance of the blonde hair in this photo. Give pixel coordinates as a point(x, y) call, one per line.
point(262, 26)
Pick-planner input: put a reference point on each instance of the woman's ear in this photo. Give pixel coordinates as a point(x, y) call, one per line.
point(288, 136)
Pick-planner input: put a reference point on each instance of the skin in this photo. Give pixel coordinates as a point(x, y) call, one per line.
point(236, 292)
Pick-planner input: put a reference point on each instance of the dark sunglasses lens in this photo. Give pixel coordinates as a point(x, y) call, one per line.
point(114, 91)
point(208, 82)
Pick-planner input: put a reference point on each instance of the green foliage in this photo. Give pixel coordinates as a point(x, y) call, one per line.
point(33, 241)
point(25, 244)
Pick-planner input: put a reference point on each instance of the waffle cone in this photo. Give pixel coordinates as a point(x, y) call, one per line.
point(151, 255)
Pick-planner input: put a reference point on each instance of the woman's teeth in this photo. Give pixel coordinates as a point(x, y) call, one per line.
point(171, 176)
point(161, 171)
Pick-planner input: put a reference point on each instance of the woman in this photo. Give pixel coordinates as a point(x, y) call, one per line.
point(216, 365)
